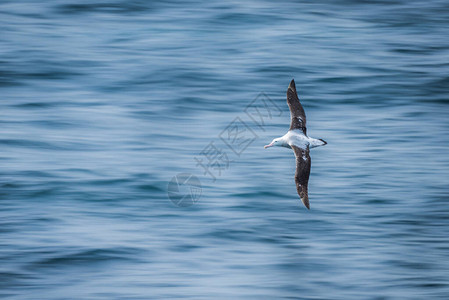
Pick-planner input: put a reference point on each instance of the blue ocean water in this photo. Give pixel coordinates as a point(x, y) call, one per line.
point(104, 102)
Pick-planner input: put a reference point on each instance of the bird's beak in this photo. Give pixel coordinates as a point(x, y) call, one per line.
point(268, 146)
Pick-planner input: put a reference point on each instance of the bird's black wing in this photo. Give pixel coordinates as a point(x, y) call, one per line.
point(302, 174)
point(298, 116)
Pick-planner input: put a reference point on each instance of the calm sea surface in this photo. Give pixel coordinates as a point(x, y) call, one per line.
point(102, 103)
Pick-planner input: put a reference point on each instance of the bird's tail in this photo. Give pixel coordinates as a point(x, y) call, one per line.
point(317, 142)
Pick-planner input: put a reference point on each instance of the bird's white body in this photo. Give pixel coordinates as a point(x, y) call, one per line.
point(296, 138)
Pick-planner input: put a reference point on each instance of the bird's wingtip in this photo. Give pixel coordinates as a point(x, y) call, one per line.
point(292, 85)
point(306, 202)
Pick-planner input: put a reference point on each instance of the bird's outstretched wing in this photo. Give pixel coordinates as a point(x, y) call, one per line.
point(302, 174)
point(298, 116)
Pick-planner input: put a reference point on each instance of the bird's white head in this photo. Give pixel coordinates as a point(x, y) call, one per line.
point(276, 142)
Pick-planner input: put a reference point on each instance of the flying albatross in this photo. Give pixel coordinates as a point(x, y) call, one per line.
point(296, 138)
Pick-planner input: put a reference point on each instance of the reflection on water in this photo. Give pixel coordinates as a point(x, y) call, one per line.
point(103, 102)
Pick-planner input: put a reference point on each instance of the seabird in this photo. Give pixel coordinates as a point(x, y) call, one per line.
point(296, 138)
